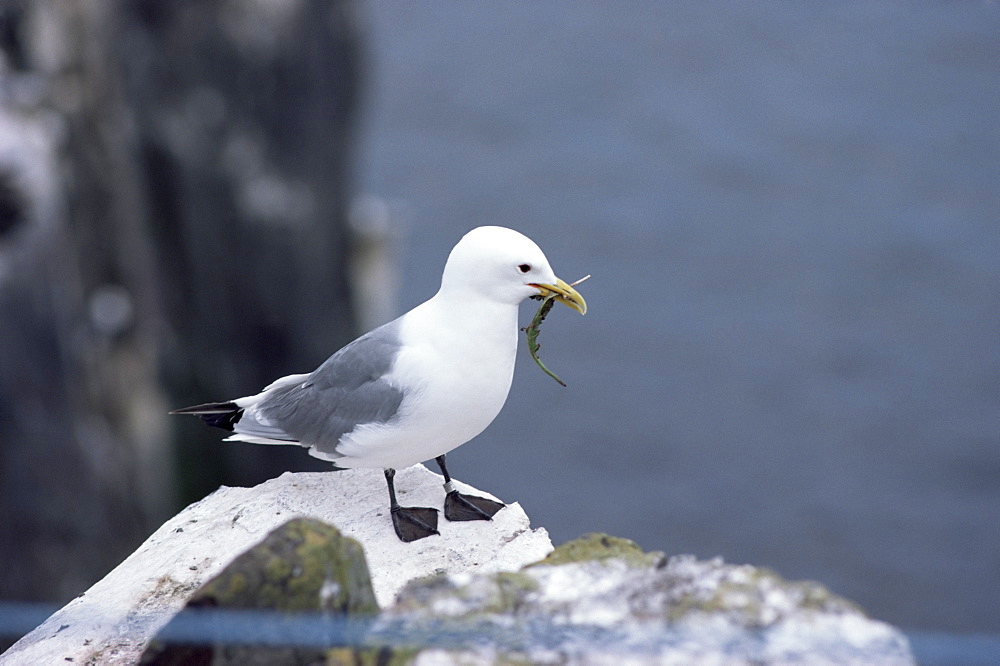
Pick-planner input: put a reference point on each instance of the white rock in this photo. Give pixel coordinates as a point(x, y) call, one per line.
point(113, 621)
point(678, 611)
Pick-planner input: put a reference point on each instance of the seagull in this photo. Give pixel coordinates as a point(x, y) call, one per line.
point(417, 387)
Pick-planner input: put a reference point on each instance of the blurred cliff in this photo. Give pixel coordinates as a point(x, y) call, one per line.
point(173, 203)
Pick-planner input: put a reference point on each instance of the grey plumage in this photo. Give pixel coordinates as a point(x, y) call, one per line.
point(347, 390)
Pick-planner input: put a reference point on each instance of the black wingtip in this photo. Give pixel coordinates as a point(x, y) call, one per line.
point(225, 421)
point(223, 415)
point(208, 408)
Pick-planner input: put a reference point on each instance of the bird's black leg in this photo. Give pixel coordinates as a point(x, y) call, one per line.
point(465, 507)
point(411, 522)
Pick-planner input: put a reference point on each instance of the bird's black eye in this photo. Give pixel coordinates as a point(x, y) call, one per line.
point(524, 268)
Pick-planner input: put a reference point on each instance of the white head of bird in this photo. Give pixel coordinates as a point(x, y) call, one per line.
point(504, 266)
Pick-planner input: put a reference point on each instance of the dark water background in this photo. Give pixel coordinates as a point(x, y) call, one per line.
point(792, 215)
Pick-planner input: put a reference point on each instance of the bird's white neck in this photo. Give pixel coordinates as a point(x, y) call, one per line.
point(473, 322)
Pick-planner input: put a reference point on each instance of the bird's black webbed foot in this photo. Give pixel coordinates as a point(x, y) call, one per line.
point(414, 522)
point(410, 522)
point(469, 507)
point(464, 507)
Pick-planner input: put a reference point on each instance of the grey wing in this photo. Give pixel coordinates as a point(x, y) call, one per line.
point(348, 390)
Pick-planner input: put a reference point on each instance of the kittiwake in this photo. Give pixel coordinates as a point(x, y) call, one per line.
point(417, 387)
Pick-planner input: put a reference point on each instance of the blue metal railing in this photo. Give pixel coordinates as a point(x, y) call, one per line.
point(268, 628)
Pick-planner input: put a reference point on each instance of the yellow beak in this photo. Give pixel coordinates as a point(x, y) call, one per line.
point(565, 294)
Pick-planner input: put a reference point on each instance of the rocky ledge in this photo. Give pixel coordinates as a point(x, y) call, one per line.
point(265, 577)
point(601, 599)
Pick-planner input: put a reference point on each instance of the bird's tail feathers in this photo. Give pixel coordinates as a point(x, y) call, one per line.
point(223, 415)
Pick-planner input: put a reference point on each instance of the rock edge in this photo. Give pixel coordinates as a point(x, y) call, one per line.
point(119, 614)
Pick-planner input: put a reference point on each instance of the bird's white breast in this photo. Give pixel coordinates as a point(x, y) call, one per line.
point(455, 366)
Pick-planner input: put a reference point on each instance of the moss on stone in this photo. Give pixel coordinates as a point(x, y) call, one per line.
point(304, 565)
point(515, 582)
point(599, 548)
point(500, 593)
point(510, 591)
point(301, 567)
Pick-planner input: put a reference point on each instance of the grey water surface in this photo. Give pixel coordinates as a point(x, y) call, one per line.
point(792, 215)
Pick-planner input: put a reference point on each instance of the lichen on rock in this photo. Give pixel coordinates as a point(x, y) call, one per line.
point(601, 547)
point(303, 566)
point(467, 595)
point(602, 595)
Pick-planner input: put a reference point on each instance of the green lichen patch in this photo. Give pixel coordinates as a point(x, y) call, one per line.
point(500, 593)
point(494, 594)
point(304, 565)
point(599, 548)
point(512, 588)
